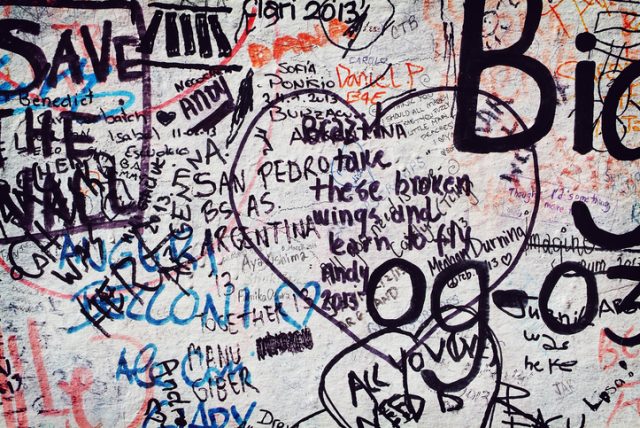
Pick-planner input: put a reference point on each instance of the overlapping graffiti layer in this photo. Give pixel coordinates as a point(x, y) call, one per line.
point(319, 213)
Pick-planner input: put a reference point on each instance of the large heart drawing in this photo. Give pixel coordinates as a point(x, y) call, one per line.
point(389, 392)
point(432, 208)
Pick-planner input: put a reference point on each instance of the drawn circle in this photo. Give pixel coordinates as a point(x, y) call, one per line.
point(586, 42)
point(418, 293)
point(591, 307)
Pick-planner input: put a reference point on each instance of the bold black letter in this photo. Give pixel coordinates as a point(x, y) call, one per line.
point(31, 52)
point(610, 117)
point(474, 59)
point(607, 240)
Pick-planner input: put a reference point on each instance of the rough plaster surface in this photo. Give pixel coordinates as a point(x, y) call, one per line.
point(281, 213)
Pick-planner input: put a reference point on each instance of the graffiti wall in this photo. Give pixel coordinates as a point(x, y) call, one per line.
point(319, 213)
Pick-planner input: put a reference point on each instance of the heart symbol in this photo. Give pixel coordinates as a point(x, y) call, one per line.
point(285, 315)
point(165, 118)
point(308, 154)
point(506, 259)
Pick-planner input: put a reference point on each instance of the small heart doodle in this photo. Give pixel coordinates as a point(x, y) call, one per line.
point(165, 118)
